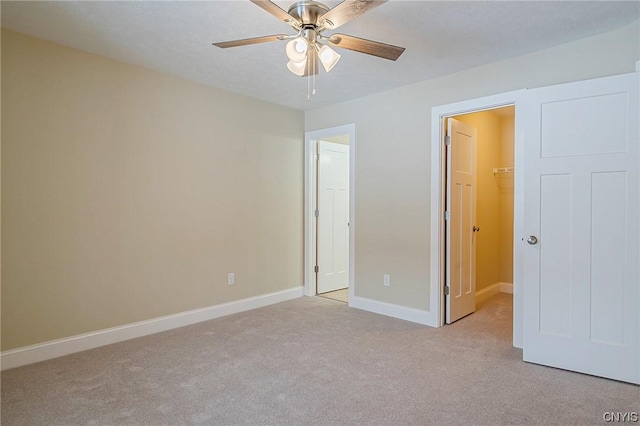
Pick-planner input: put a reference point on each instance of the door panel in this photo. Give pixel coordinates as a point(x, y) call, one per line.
point(461, 181)
point(332, 223)
point(608, 260)
point(558, 140)
point(581, 281)
point(555, 260)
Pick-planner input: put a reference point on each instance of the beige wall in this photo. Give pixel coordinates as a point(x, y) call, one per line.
point(129, 194)
point(392, 176)
point(341, 139)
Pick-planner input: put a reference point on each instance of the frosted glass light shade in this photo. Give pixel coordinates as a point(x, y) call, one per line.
point(297, 49)
point(328, 57)
point(298, 68)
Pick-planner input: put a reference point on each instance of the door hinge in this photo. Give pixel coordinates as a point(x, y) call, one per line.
point(316, 269)
point(446, 290)
point(447, 215)
point(317, 213)
point(447, 140)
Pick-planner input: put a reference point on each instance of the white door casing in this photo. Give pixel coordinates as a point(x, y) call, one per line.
point(460, 226)
point(333, 217)
point(581, 281)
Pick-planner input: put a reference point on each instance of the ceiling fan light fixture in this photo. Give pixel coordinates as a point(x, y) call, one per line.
point(298, 68)
point(328, 57)
point(297, 49)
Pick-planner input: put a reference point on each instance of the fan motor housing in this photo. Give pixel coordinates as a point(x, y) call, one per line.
point(308, 11)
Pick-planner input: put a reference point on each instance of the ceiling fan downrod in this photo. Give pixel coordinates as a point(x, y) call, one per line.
point(307, 12)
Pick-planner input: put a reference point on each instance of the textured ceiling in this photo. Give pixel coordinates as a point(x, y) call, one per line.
point(441, 37)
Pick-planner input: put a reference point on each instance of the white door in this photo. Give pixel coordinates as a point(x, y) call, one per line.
point(333, 217)
point(581, 297)
point(460, 239)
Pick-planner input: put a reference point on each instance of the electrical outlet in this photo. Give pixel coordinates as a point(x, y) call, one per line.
point(231, 278)
point(386, 280)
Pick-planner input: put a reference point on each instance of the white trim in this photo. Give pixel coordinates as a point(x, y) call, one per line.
point(437, 200)
point(310, 139)
point(82, 342)
point(395, 311)
point(492, 290)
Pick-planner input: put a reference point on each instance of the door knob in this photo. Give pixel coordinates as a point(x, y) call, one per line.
point(532, 240)
point(476, 229)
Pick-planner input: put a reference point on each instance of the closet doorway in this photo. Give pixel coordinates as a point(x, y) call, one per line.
point(479, 199)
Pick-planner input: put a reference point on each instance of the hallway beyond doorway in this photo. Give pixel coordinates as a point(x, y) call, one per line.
point(341, 295)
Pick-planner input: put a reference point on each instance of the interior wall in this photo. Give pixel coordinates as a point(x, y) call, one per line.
point(341, 139)
point(392, 176)
point(128, 194)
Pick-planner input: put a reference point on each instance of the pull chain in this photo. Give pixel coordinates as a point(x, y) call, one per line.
point(315, 71)
point(308, 89)
point(311, 80)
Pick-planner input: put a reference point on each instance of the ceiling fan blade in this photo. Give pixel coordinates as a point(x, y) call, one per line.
point(345, 12)
point(275, 10)
point(247, 41)
point(375, 48)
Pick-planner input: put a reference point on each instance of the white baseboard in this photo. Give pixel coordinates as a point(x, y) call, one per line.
point(82, 342)
point(493, 289)
point(396, 311)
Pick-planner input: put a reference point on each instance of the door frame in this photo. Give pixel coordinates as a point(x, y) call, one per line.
point(438, 181)
point(310, 189)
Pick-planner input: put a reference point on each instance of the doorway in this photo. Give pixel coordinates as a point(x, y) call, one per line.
point(332, 217)
point(479, 190)
point(437, 222)
point(329, 212)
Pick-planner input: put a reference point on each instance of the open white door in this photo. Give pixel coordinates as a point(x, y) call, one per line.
point(581, 297)
point(333, 217)
point(460, 290)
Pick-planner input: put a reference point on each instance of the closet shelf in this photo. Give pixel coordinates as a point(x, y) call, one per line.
point(500, 170)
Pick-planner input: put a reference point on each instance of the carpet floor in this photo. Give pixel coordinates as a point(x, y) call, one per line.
point(312, 361)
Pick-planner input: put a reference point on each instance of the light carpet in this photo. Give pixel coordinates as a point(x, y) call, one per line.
point(312, 361)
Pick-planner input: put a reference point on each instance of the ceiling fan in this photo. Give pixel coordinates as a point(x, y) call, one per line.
point(310, 19)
